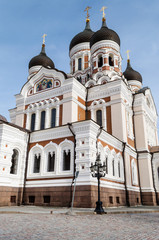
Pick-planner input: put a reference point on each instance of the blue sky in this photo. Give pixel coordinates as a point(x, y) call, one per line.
point(23, 22)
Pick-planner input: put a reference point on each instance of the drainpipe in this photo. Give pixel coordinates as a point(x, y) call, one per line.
point(136, 150)
point(126, 190)
point(71, 130)
point(100, 131)
point(157, 201)
point(26, 169)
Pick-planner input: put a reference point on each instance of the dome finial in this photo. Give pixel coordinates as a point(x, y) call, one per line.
point(86, 10)
point(102, 10)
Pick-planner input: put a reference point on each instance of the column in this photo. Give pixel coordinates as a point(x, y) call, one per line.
point(47, 118)
point(37, 120)
point(28, 120)
point(104, 118)
point(57, 115)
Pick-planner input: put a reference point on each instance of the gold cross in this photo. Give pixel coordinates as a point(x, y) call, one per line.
point(86, 10)
point(44, 38)
point(102, 10)
point(128, 56)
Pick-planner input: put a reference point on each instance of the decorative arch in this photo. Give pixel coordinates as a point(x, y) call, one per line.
point(90, 83)
point(66, 156)
point(50, 156)
point(35, 156)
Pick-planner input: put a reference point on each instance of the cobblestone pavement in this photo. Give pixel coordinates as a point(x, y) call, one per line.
point(144, 226)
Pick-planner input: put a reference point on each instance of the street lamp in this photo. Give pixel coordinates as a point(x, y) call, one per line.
point(98, 170)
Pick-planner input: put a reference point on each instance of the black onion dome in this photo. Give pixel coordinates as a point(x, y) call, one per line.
point(131, 74)
point(104, 34)
point(2, 118)
point(42, 59)
point(82, 36)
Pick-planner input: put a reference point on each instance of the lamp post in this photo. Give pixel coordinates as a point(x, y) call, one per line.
point(98, 170)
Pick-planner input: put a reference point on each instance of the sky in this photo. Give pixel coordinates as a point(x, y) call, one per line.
point(23, 22)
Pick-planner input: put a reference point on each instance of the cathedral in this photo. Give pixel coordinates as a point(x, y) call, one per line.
point(62, 121)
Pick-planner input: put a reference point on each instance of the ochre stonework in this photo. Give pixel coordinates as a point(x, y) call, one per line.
point(85, 196)
point(7, 192)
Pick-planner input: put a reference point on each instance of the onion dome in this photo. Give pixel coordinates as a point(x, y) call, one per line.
point(131, 74)
point(42, 59)
point(104, 34)
point(2, 118)
point(82, 36)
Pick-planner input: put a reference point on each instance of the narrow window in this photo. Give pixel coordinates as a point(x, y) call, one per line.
point(99, 117)
point(113, 167)
point(33, 122)
point(158, 173)
point(80, 64)
point(118, 200)
point(36, 163)
point(53, 117)
point(14, 166)
point(106, 163)
point(100, 61)
point(111, 61)
point(46, 199)
point(42, 124)
point(111, 199)
point(13, 199)
point(51, 162)
point(119, 169)
point(31, 199)
point(66, 160)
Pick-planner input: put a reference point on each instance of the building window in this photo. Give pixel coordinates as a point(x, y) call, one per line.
point(51, 161)
point(80, 64)
point(111, 60)
point(46, 199)
point(33, 122)
point(100, 61)
point(99, 117)
point(111, 199)
point(118, 200)
point(36, 163)
point(42, 124)
point(113, 168)
point(119, 169)
point(32, 199)
point(106, 164)
point(66, 160)
point(53, 117)
point(13, 199)
point(14, 166)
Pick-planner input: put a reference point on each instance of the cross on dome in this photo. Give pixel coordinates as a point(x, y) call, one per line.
point(86, 10)
point(44, 38)
point(128, 56)
point(102, 10)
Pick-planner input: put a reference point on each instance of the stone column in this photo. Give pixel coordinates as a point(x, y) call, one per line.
point(57, 115)
point(47, 118)
point(28, 120)
point(37, 120)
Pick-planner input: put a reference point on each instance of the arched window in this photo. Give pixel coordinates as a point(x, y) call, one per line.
point(99, 117)
point(100, 61)
point(80, 64)
point(14, 166)
point(113, 168)
point(42, 123)
point(37, 158)
point(111, 60)
point(33, 122)
point(119, 174)
point(66, 160)
point(53, 117)
point(51, 162)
